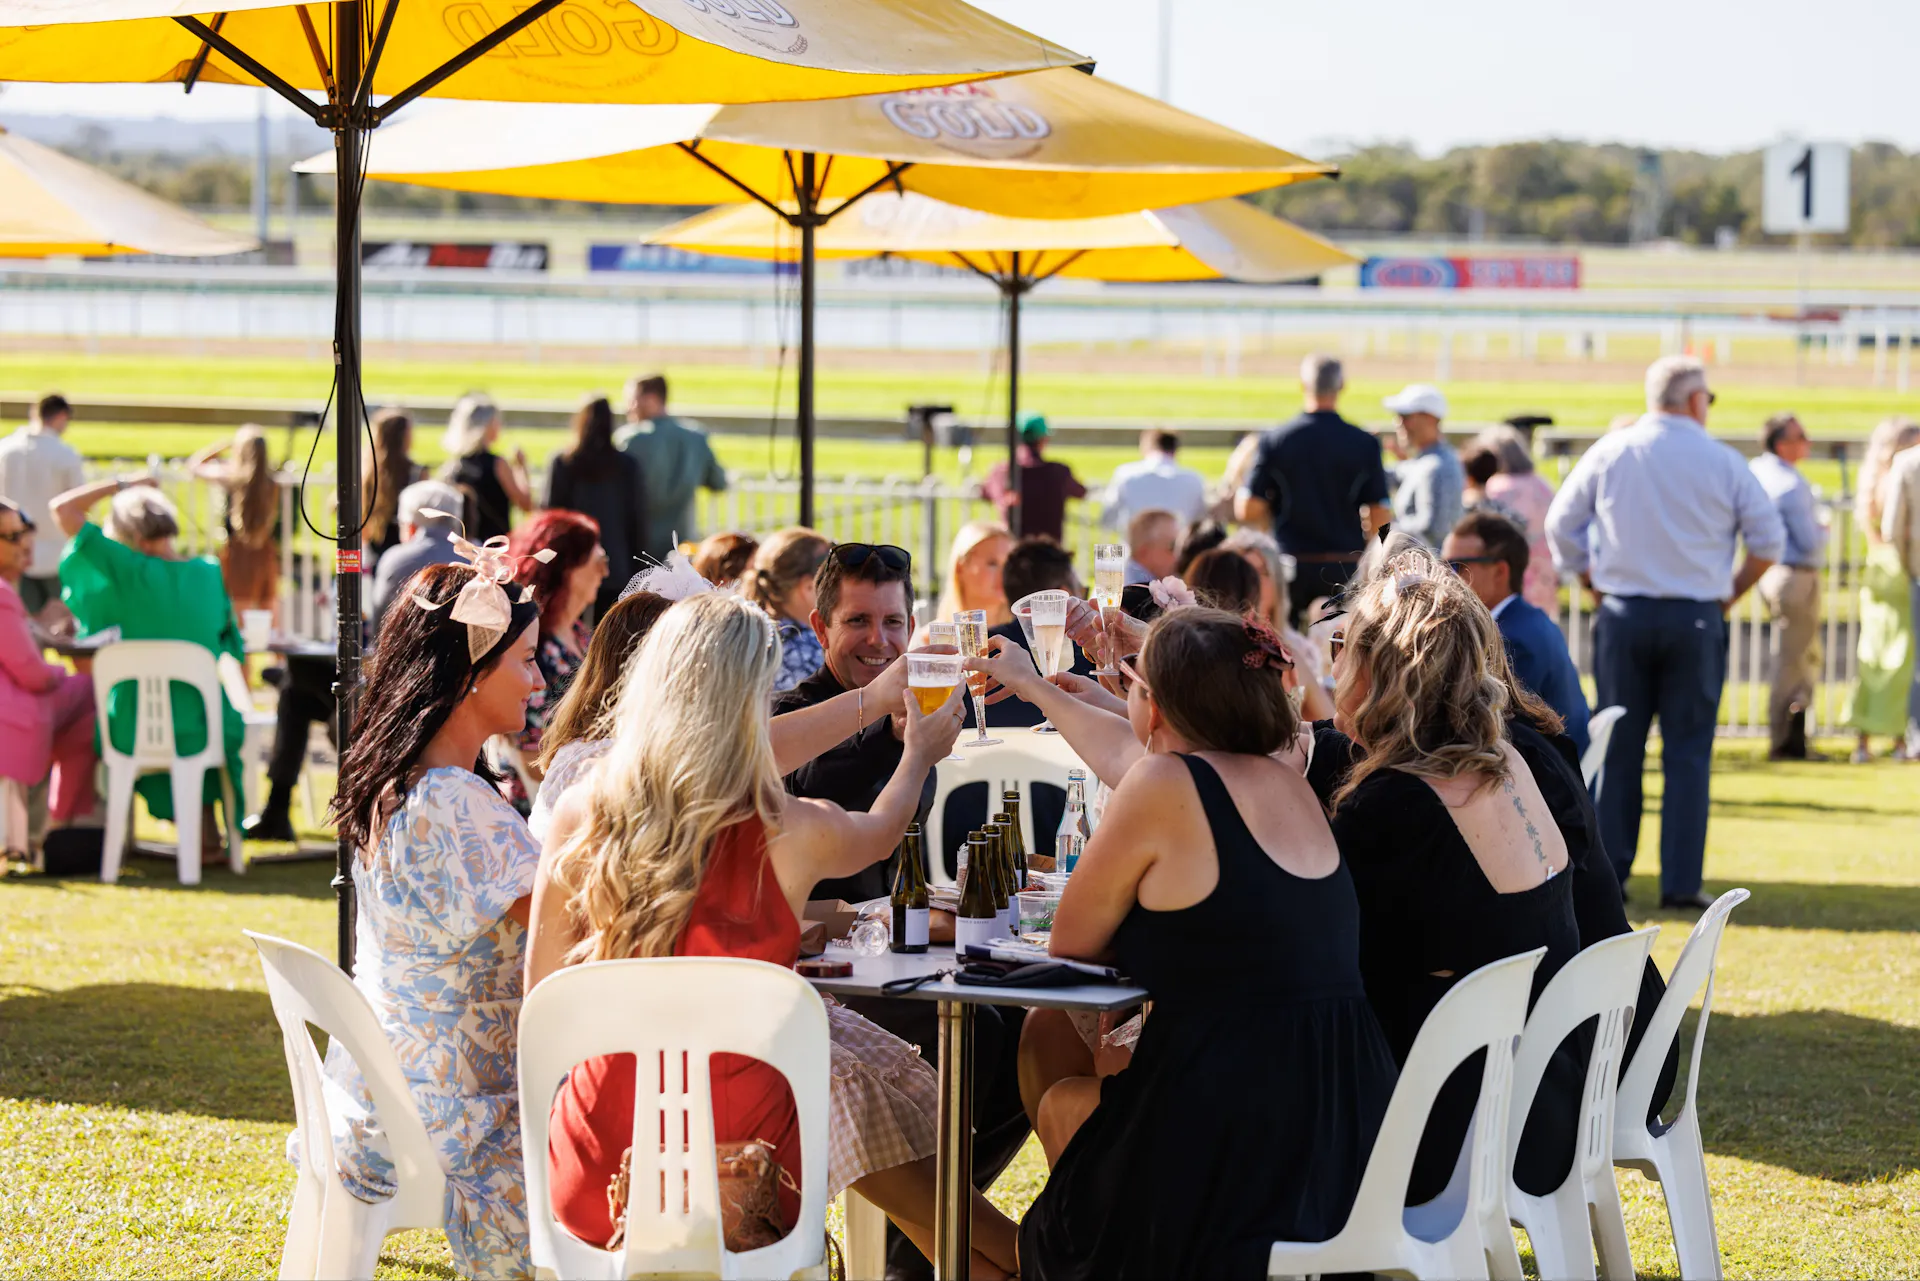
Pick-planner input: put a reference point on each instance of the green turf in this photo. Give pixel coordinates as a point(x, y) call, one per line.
point(144, 1099)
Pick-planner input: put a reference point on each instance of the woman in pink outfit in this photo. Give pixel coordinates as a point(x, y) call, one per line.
point(46, 712)
point(1525, 493)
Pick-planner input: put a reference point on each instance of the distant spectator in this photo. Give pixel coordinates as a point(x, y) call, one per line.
point(35, 465)
point(424, 540)
point(1233, 478)
point(676, 460)
point(723, 559)
point(1153, 545)
point(780, 581)
point(1878, 702)
point(1033, 565)
point(494, 486)
point(1157, 480)
point(974, 562)
point(1480, 465)
point(46, 712)
point(1651, 517)
point(1521, 492)
point(250, 555)
point(1045, 486)
point(1312, 664)
point(1201, 536)
point(1428, 482)
point(1791, 589)
point(1490, 553)
point(1222, 579)
point(563, 588)
point(1312, 478)
point(1900, 527)
point(598, 480)
point(393, 469)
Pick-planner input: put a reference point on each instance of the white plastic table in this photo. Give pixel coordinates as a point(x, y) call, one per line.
point(953, 1183)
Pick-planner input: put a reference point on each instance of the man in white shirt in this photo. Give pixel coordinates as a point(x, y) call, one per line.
point(1156, 482)
point(1791, 589)
point(36, 466)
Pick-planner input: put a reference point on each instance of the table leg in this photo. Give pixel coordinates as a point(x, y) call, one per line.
point(953, 1167)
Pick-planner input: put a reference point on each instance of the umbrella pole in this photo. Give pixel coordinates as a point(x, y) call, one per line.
point(350, 412)
point(803, 421)
point(1014, 512)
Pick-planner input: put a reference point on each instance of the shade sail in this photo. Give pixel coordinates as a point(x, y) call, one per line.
point(1212, 240)
point(1053, 144)
point(583, 51)
point(54, 204)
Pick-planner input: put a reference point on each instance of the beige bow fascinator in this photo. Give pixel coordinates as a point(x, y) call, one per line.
point(483, 604)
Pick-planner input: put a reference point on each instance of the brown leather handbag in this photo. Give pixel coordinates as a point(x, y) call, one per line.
point(750, 1182)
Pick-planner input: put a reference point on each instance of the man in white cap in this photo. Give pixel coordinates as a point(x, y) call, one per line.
point(1429, 483)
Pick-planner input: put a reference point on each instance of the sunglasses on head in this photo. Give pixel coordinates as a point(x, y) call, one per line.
point(854, 555)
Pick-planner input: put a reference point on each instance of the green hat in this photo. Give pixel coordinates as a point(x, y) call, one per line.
point(1033, 426)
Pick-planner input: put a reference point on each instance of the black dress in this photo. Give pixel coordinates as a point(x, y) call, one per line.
point(1255, 1091)
point(489, 511)
point(1426, 907)
point(612, 491)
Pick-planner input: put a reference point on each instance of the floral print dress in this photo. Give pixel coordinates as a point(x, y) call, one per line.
point(441, 964)
point(801, 655)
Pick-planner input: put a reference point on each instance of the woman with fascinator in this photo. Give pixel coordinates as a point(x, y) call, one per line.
point(443, 879)
point(1213, 864)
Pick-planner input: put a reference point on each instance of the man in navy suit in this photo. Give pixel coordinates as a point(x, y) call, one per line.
point(1490, 553)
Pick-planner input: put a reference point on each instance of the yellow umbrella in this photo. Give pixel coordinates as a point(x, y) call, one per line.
point(1213, 240)
point(1055, 144)
point(636, 51)
point(56, 205)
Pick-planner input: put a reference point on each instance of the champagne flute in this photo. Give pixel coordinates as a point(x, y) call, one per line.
point(970, 626)
point(1046, 626)
point(1109, 578)
point(930, 681)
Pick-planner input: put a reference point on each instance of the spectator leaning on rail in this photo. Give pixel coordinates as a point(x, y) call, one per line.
point(35, 465)
point(1156, 479)
point(1428, 484)
point(1650, 518)
point(1791, 589)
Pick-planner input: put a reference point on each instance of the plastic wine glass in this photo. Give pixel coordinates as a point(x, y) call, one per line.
point(1109, 578)
point(1043, 617)
point(930, 681)
point(970, 627)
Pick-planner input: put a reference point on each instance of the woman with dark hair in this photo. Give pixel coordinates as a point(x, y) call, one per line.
point(595, 478)
point(1224, 580)
point(1201, 537)
point(563, 585)
point(393, 470)
point(723, 559)
point(1214, 858)
point(443, 875)
point(250, 556)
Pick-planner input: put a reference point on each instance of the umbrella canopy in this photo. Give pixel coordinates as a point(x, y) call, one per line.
point(57, 205)
point(1055, 144)
point(575, 51)
point(1217, 239)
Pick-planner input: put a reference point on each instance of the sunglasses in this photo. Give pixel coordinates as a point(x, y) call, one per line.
point(854, 555)
point(26, 526)
point(1459, 563)
point(1336, 643)
point(1130, 675)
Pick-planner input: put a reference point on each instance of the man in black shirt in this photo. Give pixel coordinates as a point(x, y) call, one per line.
point(1311, 477)
point(863, 615)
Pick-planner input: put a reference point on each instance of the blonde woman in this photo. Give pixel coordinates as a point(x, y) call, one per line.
point(1877, 704)
point(250, 558)
point(780, 581)
point(974, 561)
point(682, 843)
point(494, 486)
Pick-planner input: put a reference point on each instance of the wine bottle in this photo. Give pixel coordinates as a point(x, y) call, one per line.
point(1016, 841)
point(978, 921)
point(1074, 829)
point(910, 905)
point(1003, 864)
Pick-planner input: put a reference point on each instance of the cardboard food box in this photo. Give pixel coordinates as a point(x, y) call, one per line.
point(826, 918)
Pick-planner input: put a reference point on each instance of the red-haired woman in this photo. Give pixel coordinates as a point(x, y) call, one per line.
point(563, 588)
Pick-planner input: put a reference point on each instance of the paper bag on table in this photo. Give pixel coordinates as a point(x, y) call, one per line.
point(826, 918)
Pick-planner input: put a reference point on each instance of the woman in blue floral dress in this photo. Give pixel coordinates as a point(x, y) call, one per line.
point(780, 581)
point(442, 881)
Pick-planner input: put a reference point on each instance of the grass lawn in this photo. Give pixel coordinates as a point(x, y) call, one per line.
point(144, 1099)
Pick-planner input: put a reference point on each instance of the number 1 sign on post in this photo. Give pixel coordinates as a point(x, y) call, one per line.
point(1805, 188)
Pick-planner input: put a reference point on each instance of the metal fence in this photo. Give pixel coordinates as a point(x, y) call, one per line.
point(922, 516)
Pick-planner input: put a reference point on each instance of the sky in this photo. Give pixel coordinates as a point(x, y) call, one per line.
point(1717, 76)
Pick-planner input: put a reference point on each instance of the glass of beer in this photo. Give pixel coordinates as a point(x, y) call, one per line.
point(970, 627)
point(930, 680)
point(1109, 578)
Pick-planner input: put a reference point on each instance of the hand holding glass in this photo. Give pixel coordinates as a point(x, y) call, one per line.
point(970, 627)
point(1109, 579)
point(930, 681)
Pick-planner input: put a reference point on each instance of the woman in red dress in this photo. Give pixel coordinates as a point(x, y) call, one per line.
point(684, 844)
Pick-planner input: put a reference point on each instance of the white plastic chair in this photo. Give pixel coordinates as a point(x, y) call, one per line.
point(1464, 1231)
point(1593, 762)
point(865, 1235)
point(1025, 758)
point(672, 1013)
point(155, 665)
point(1603, 982)
point(1671, 1154)
point(331, 1232)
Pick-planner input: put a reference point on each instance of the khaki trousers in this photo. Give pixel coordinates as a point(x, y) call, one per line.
point(1792, 597)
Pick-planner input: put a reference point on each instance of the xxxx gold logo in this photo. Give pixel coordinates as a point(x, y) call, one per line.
point(968, 120)
point(584, 28)
point(765, 23)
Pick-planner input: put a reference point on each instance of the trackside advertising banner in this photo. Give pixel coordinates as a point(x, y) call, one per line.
point(1533, 272)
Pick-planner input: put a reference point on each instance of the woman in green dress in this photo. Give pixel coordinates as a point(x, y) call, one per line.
point(1877, 703)
point(132, 576)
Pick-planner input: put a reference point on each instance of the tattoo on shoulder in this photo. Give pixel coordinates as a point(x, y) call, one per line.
point(1533, 833)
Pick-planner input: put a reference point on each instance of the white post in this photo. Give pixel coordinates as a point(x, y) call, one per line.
point(1900, 368)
